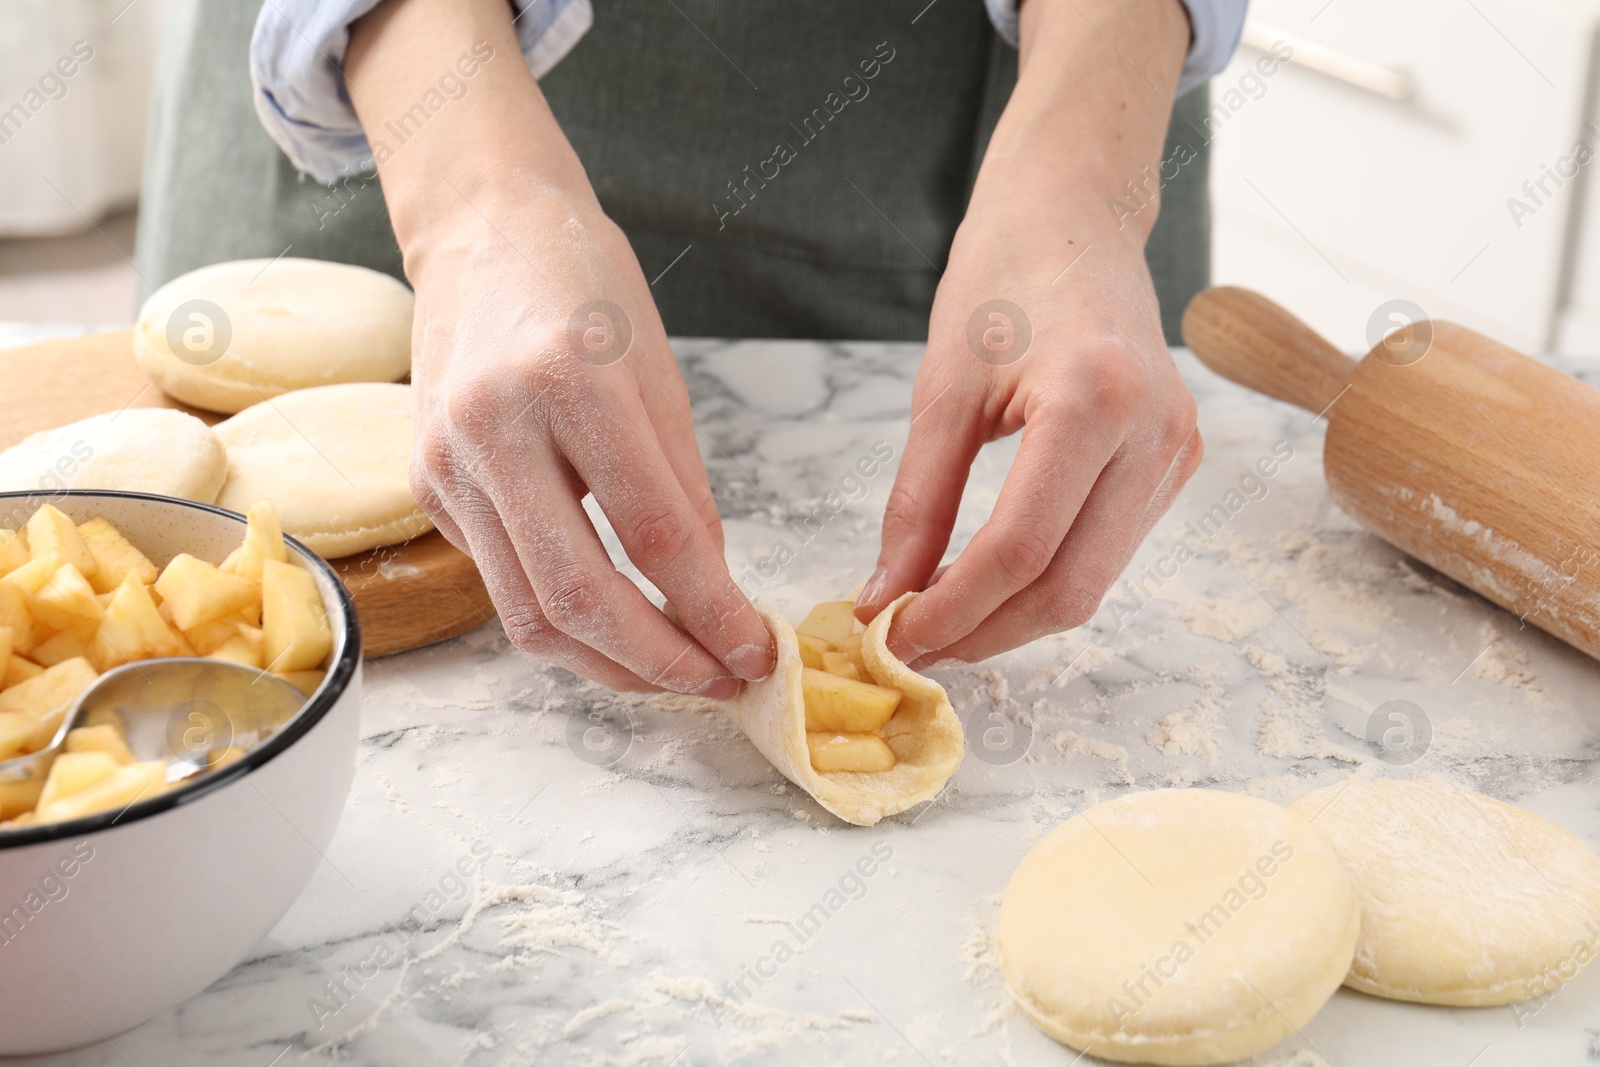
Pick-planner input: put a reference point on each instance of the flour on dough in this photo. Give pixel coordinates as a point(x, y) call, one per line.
point(1178, 926)
point(335, 461)
point(138, 450)
point(230, 335)
point(1464, 899)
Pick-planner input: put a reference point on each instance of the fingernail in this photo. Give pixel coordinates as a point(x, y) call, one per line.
point(874, 587)
point(720, 689)
point(751, 662)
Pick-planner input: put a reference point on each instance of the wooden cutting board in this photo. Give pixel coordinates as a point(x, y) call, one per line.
point(407, 595)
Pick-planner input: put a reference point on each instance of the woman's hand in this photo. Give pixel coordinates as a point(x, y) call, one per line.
point(1078, 364)
point(1046, 322)
point(542, 373)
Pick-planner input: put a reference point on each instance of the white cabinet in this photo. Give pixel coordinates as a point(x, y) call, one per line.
point(74, 92)
point(1383, 160)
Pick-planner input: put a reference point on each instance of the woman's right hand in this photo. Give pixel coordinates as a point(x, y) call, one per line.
point(542, 373)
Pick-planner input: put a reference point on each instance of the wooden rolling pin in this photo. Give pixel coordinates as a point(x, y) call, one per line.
point(1472, 457)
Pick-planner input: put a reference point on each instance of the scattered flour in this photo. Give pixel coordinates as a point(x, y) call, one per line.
point(1223, 618)
point(1082, 661)
point(547, 920)
point(1294, 732)
point(1067, 743)
point(1265, 660)
point(1501, 662)
point(592, 1013)
point(1190, 731)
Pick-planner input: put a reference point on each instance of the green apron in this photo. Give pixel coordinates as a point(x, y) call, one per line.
point(769, 187)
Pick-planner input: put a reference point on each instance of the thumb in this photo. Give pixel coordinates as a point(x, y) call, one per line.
point(944, 439)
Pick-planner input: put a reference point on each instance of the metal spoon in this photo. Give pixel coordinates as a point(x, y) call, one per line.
point(179, 709)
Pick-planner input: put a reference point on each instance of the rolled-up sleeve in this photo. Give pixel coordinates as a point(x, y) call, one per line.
point(296, 60)
point(1215, 26)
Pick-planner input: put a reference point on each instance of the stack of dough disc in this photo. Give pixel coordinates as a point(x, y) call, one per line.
point(306, 354)
point(1196, 927)
point(231, 335)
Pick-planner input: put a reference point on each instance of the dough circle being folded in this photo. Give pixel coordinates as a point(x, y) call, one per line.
point(138, 450)
point(232, 334)
point(1465, 900)
point(335, 461)
point(1179, 926)
point(924, 733)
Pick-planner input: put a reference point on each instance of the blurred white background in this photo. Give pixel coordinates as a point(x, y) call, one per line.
point(71, 152)
point(1379, 162)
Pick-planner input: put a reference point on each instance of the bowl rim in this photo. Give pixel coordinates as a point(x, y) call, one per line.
point(332, 689)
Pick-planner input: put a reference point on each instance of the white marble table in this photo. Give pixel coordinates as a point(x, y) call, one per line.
point(625, 894)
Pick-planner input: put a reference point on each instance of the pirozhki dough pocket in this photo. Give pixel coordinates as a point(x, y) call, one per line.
point(867, 710)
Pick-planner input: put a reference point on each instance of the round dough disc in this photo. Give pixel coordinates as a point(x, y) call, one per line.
point(1179, 926)
point(230, 335)
point(1464, 899)
point(142, 450)
point(335, 462)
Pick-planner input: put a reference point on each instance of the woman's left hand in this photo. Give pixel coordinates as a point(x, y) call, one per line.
point(1060, 338)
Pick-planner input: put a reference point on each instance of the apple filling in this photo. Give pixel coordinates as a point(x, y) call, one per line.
point(845, 710)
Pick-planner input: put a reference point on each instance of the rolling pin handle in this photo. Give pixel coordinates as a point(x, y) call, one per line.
point(1248, 339)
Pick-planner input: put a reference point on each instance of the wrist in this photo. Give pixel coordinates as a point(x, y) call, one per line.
point(1035, 221)
point(459, 130)
point(473, 198)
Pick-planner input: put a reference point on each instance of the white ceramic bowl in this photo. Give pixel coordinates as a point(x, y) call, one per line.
point(109, 920)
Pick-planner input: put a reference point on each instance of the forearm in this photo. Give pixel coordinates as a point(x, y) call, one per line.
point(1089, 114)
point(493, 139)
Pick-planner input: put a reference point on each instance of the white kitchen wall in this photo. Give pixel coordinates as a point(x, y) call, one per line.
point(74, 95)
point(1400, 153)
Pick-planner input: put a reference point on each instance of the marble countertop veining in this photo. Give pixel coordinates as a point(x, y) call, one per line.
point(534, 871)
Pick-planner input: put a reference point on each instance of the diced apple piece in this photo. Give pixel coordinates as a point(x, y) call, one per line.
point(811, 650)
point(13, 550)
point(832, 621)
point(124, 786)
point(209, 635)
point(50, 693)
point(53, 539)
point(7, 639)
point(832, 751)
point(68, 644)
point(850, 645)
point(194, 591)
point(218, 758)
point(263, 540)
point(840, 665)
point(15, 616)
point(66, 600)
point(30, 576)
point(20, 669)
point(244, 647)
point(18, 798)
point(133, 629)
point(103, 738)
point(293, 619)
point(839, 704)
point(16, 733)
point(74, 771)
point(305, 681)
point(114, 556)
